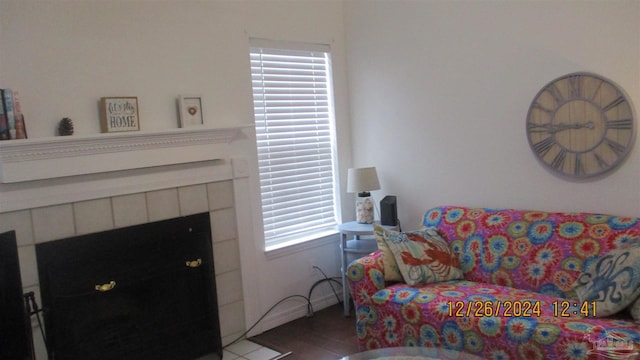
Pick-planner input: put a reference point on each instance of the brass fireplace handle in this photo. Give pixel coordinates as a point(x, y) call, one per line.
point(194, 263)
point(106, 287)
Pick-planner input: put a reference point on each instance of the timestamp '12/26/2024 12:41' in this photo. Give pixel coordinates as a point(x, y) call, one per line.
point(523, 308)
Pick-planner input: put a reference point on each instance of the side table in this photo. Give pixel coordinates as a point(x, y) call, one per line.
point(356, 246)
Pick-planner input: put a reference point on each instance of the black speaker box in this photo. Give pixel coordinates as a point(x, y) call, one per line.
point(389, 211)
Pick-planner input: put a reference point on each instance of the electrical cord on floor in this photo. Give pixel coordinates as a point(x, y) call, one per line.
point(309, 307)
point(307, 298)
point(323, 280)
point(243, 335)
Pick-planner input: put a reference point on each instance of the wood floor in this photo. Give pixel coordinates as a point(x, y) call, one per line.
point(328, 335)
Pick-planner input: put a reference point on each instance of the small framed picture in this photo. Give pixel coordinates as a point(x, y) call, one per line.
point(190, 108)
point(119, 114)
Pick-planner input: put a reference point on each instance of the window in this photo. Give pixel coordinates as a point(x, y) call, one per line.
point(293, 106)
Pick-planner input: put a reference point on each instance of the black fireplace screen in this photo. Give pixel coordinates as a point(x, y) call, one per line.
point(141, 292)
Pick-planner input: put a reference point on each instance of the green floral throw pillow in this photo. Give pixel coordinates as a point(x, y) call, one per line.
point(421, 256)
point(391, 271)
point(613, 281)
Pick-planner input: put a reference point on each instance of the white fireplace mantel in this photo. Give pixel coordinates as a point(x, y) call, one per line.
point(34, 159)
point(41, 172)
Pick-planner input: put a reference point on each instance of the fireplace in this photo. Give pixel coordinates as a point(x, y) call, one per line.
point(140, 292)
point(60, 187)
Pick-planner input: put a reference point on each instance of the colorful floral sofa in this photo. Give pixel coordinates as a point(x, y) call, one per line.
point(509, 258)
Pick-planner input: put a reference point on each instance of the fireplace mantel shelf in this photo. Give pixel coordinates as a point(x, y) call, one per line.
point(49, 158)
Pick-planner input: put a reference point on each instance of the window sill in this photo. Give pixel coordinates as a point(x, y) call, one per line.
point(303, 244)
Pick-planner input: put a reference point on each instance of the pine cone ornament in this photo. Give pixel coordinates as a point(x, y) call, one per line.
point(65, 127)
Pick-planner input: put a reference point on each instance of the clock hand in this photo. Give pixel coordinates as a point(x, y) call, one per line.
point(552, 129)
point(588, 125)
point(543, 127)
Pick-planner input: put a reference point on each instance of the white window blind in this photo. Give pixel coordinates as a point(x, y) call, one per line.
point(295, 138)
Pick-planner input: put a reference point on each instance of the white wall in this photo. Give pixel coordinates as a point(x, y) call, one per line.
point(64, 55)
point(438, 93)
point(440, 90)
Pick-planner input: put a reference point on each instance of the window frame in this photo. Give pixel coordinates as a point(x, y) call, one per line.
point(327, 232)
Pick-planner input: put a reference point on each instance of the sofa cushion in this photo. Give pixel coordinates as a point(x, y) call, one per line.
point(422, 256)
point(461, 315)
point(612, 280)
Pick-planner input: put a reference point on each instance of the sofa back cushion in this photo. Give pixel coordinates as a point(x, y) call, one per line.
point(533, 250)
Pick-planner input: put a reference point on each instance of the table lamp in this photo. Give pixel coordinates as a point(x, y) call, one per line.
point(361, 181)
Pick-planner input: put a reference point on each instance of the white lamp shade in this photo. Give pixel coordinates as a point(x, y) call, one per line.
point(362, 180)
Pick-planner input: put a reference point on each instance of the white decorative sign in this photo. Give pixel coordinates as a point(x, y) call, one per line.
point(119, 114)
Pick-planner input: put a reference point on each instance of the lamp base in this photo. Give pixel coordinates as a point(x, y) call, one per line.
point(364, 208)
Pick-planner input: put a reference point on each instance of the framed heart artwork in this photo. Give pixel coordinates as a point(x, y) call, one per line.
point(190, 108)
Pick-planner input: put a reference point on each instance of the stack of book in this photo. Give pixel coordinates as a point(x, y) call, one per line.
point(12, 124)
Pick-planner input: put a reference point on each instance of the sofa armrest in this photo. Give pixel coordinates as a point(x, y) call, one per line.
point(365, 277)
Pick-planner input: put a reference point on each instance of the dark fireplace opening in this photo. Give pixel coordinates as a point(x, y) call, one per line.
point(142, 292)
point(15, 328)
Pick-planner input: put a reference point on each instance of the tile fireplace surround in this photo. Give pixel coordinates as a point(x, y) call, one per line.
point(56, 188)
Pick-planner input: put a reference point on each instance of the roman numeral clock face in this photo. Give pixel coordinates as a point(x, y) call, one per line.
point(580, 125)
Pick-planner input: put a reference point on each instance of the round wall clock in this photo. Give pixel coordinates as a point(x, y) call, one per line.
point(580, 125)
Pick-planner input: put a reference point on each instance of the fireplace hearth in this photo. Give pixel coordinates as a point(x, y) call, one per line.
point(141, 292)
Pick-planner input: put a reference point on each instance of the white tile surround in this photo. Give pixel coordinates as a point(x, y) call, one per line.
point(211, 188)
